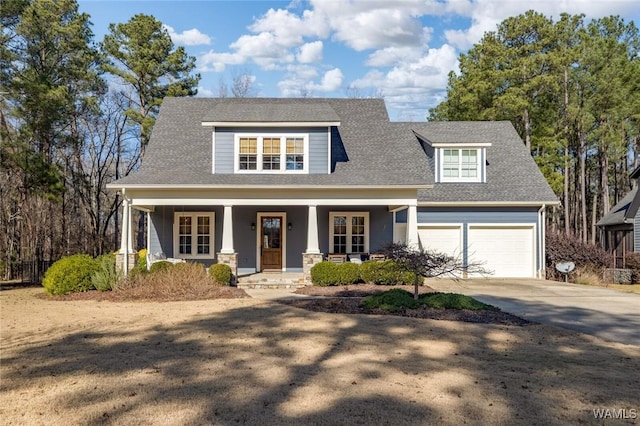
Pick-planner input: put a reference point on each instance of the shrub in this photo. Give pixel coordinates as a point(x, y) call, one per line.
point(182, 281)
point(632, 260)
point(221, 274)
point(397, 299)
point(141, 265)
point(106, 277)
point(324, 274)
point(453, 301)
point(70, 274)
point(348, 273)
point(562, 248)
point(392, 300)
point(162, 265)
point(385, 272)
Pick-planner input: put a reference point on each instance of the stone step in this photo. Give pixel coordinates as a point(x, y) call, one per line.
point(271, 280)
point(270, 285)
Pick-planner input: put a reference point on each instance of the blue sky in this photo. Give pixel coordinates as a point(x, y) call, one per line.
point(402, 50)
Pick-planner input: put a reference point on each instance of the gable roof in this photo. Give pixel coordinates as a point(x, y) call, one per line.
point(377, 152)
point(624, 211)
point(512, 175)
point(260, 110)
point(179, 152)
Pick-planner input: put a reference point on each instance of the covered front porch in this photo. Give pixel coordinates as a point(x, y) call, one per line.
point(271, 235)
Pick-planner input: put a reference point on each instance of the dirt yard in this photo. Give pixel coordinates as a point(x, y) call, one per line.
point(247, 361)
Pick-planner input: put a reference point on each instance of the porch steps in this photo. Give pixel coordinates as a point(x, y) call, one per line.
point(273, 280)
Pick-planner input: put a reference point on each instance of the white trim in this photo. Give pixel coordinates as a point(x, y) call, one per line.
point(486, 203)
point(450, 225)
point(460, 179)
point(266, 202)
point(264, 187)
point(523, 225)
point(349, 214)
point(329, 154)
point(461, 145)
point(259, 154)
point(194, 235)
point(213, 150)
point(283, 244)
point(270, 123)
point(394, 209)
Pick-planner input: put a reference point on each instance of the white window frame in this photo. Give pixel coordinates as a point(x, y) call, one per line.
point(283, 152)
point(349, 215)
point(194, 235)
point(479, 164)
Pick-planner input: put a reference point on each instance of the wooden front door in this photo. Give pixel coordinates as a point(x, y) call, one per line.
point(271, 243)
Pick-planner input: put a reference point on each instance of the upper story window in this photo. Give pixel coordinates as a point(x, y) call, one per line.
point(461, 165)
point(288, 153)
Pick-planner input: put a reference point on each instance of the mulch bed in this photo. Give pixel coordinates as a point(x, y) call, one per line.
point(347, 299)
point(212, 292)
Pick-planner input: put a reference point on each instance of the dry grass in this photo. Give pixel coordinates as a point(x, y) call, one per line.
point(185, 281)
point(587, 276)
point(629, 288)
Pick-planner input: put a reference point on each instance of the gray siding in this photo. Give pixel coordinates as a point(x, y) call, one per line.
point(318, 147)
point(636, 232)
point(380, 225)
point(162, 229)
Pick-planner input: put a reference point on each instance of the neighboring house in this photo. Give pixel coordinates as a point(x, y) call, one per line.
point(621, 226)
point(278, 184)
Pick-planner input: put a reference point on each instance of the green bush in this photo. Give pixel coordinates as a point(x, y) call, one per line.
point(348, 273)
point(162, 265)
point(221, 274)
point(324, 274)
point(398, 299)
point(141, 265)
point(392, 300)
point(385, 272)
point(106, 277)
point(453, 301)
point(70, 274)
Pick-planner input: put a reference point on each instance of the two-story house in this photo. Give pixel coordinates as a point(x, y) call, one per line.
point(277, 184)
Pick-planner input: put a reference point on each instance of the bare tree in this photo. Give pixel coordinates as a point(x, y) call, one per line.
point(429, 264)
point(242, 84)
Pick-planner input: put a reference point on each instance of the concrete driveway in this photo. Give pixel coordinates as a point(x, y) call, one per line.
point(609, 314)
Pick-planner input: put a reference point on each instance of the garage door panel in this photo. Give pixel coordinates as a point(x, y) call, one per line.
point(442, 239)
point(506, 251)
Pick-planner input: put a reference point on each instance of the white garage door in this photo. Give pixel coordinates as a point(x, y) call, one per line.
point(445, 239)
point(507, 251)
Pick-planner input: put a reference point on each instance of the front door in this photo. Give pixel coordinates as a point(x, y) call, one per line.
point(271, 243)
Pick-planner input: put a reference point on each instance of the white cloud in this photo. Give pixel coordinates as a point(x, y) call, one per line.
point(393, 55)
point(204, 92)
point(295, 86)
point(331, 81)
point(217, 61)
point(310, 52)
point(192, 37)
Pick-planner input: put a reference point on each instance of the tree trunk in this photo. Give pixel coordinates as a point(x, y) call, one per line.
point(527, 129)
point(583, 188)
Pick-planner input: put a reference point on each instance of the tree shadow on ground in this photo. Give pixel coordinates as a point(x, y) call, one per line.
point(273, 364)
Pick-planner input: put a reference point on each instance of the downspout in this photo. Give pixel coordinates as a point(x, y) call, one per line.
point(125, 234)
point(543, 249)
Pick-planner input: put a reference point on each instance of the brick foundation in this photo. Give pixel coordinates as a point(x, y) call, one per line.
point(230, 259)
point(308, 260)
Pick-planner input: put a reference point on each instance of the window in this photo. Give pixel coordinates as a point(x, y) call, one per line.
point(349, 232)
point(460, 165)
point(272, 153)
point(193, 235)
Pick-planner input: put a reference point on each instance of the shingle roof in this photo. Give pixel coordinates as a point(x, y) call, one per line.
point(179, 152)
point(379, 152)
point(623, 212)
point(269, 110)
point(512, 175)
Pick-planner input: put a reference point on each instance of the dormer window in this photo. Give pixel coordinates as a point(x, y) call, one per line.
point(287, 153)
point(461, 164)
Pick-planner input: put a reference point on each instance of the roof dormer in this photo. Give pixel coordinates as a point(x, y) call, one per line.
point(460, 162)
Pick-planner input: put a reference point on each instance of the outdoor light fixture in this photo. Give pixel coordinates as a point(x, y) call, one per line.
point(289, 226)
point(253, 226)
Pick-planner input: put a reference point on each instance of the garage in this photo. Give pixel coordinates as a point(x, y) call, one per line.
point(445, 239)
point(508, 251)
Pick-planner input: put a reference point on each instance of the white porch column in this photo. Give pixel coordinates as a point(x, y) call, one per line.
point(125, 233)
point(312, 231)
point(227, 231)
point(412, 227)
